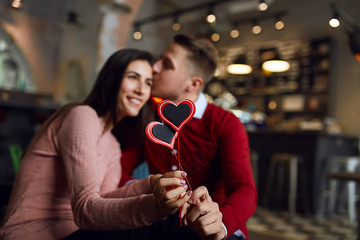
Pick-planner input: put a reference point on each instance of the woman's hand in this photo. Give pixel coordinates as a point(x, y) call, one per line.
point(170, 192)
point(154, 179)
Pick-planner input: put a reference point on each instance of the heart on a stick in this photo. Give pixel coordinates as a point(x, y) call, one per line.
point(161, 133)
point(176, 115)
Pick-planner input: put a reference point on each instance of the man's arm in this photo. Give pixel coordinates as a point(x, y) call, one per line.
point(240, 189)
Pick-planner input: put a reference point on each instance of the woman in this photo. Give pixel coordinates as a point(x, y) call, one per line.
point(69, 175)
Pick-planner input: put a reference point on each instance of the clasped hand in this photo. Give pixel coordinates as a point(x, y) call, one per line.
point(170, 192)
point(199, 212)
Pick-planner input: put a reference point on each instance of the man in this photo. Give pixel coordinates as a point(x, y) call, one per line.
point(213, 146)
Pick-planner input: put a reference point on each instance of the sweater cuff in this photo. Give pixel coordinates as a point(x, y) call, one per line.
point(149, 209)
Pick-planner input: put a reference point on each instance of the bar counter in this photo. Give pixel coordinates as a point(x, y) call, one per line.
point(313, 147)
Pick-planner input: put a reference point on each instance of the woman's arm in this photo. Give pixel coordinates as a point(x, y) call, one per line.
point(78, 144)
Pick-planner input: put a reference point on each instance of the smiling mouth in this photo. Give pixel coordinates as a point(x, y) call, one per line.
point(135, 101)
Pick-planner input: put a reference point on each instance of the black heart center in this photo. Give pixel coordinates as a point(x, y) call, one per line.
point(163, 132)
point(177, 114)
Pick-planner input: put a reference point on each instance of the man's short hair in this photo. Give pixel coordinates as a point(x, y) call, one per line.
point(203, 55)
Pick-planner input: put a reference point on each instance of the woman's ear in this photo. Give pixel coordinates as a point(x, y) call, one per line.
point(194, 84)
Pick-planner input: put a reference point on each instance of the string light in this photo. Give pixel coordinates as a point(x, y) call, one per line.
point(256, 29)
point(17, 4)
point(215, 37)
point(176, 26)
point(334, 21)
point(137, 35)
point(279, 24)
point(262, 6)
point(211, 18)
point(234, 33)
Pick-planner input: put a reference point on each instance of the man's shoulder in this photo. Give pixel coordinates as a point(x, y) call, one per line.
point(215, 112)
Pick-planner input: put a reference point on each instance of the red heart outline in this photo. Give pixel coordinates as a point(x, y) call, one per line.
point(167, 102)
point(153, 138)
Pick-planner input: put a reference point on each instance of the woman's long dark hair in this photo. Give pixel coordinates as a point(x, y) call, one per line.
point(103, 97)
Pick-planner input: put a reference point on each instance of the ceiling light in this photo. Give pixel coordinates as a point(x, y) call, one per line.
point(276, 66)
point(279, 25)
point(17, 4)
point(256, 29)
point(176, 26)
point(334, 22)
point(211, 18)
point(234, 33)
point(239, 67)
point(137, 35)
point(262, 6)
point(215, 37)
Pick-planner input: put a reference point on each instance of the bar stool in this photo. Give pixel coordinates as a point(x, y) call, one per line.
point(292, 161)
point(331, 193)
point(353, 177)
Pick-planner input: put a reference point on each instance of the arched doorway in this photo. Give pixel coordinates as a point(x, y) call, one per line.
point(15, 72)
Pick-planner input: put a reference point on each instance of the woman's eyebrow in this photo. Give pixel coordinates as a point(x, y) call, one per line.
point(134, 72)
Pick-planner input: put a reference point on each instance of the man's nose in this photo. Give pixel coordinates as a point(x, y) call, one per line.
point(157, 66)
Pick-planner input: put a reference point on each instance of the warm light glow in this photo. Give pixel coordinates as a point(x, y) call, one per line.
point(176, 27)
point(215, 37)
point(262, 7)
point(234, 33)
point(357, 56)
point(279, 25)
point(211, 18)
point(276, 66)
point(17, 4)
point(272, 105)
point(334, 22)
point(256, 29)
point(239, 69)
point(137, 35)
point(156, 99)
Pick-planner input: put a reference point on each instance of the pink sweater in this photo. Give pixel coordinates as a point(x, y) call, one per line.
point(69, 179)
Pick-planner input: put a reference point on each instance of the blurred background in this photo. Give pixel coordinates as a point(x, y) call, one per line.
point(302, 114)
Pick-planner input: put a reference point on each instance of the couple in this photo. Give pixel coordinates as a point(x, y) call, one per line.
point(69, 175)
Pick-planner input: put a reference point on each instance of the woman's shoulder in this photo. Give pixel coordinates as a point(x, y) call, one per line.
point(79, 111)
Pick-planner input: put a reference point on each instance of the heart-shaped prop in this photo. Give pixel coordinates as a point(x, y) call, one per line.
point(161, 133)
point(176, 115)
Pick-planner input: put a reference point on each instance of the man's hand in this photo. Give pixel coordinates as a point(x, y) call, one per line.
point(203, 216)
point(169, 191)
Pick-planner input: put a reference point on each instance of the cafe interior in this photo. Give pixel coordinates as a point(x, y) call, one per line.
point(290, 70)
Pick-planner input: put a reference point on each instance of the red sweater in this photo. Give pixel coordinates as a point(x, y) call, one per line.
point(214, 152)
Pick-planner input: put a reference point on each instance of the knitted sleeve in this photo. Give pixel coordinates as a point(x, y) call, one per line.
point(241, 194)
point(78, 143)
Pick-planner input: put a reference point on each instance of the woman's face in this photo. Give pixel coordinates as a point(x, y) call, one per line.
point(135, 88)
